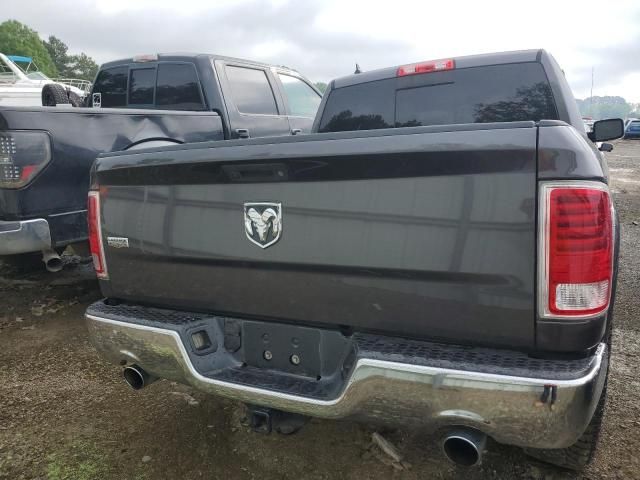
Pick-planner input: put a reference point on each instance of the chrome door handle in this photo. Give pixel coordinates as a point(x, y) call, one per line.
point(242, 132)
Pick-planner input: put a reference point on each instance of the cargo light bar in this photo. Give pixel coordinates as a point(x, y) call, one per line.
point(426, 67)
point(149, 57)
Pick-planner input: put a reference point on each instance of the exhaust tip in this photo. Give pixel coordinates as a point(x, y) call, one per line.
point(54, 264)
point(135, 377)
point(52, 261)
point(464, 447)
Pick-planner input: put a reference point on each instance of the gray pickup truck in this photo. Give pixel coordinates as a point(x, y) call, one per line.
point(440, 253)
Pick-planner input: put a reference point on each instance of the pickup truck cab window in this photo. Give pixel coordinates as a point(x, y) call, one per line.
point(142, 82)
point(178, 88)
point(165, 85)
point(365, 106)
point(251, 90)
point(302, 99)
point(494, 93)
point(111, 84)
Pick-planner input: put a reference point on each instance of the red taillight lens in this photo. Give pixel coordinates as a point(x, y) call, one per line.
point(23, 154)
point(577, 250)
point(426, 67)
point(95, 235)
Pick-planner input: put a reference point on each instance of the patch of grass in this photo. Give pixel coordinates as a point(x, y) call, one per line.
point(4, 464)
point(79, 461)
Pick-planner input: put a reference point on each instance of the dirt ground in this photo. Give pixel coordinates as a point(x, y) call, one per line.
point(65, 414)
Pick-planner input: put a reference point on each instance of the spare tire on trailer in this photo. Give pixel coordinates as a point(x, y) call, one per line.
point(75, 100)
point(54, 94)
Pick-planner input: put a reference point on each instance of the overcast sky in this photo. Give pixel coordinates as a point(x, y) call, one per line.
point(324, 39)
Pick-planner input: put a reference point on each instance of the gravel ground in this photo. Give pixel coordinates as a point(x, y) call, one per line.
point(65, 414)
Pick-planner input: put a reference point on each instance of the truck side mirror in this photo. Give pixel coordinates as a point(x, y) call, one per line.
point(604, 130)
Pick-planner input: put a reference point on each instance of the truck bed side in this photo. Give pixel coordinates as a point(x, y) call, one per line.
point(78, 135)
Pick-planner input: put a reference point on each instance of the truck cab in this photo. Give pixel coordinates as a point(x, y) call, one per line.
point(254, 99)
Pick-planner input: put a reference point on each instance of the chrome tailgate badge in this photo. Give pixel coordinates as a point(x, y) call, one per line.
point(263, 222)
point(118, 242)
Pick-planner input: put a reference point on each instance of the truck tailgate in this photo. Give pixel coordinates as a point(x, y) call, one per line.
point(426, 232)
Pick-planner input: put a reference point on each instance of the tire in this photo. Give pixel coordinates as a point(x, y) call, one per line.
point(579, 455)
point(54, 94)
point(75, 100)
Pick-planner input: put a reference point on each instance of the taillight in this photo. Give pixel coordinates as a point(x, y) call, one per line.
point(23, 154)
point(426, 67)
point(95, 235)
point(577, 245)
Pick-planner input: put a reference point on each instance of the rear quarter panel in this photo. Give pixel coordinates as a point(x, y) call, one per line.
point(564, 153)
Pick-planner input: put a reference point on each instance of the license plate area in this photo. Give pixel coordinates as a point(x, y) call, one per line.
point(281, 347)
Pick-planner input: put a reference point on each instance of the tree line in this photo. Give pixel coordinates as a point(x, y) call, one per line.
point(51, 56)
point(599, 108)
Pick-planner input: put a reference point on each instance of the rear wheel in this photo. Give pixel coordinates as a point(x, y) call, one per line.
point(54, 94)
point(75, 100)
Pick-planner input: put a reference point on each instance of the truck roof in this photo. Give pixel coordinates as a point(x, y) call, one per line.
point(182, 56)
point(517, 56)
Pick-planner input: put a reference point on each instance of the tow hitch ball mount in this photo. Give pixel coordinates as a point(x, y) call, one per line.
point(265, 420)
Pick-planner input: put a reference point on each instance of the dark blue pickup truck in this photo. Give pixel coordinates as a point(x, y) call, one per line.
point(46, 153)
point(440, 253)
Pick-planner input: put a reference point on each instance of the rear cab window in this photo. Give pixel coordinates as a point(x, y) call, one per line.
point(111, 84)
point(162, 85)
point(496, 93)
point(142, 82)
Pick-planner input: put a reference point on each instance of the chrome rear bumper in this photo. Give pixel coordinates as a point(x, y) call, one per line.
point(517, 410)
point(24, 236)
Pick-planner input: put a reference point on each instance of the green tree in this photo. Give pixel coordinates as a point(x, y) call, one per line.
point(58, 51)
point(321, 86)
point(18, 39)
point(70, 66)
point(81, 66)
point(604, 107)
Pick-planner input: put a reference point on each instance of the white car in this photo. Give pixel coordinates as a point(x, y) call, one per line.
point(20, 87)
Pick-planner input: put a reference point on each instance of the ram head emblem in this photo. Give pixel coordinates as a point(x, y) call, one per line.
point(263, 223)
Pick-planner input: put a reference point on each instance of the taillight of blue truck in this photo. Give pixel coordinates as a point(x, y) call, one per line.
point(23, 154)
